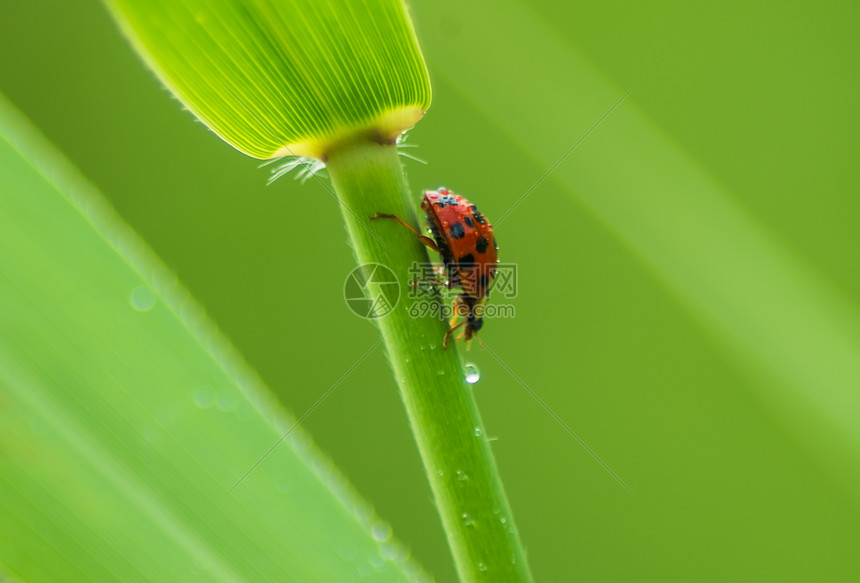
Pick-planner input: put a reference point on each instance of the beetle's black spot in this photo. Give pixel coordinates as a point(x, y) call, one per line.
point(467, 261)
point(478, 216)
point(481, 245)
point(446, 200)
point(483, 281)
point(469, 222)
point(457, 231)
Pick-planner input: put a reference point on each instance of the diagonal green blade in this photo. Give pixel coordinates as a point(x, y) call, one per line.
point(126, 418)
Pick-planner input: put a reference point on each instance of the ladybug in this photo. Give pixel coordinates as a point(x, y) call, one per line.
point(465, 240)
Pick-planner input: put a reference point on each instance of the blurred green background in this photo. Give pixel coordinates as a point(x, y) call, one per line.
point(760, 97)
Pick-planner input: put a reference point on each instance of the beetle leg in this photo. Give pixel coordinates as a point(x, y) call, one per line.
point(442, 274)
point(448, 334)
point(414, 283)
point(458, 307)
point(423, 238)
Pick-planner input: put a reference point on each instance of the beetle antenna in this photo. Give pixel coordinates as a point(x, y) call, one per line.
point(480, 342)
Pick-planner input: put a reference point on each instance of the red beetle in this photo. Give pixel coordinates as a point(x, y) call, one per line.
point(464, 239)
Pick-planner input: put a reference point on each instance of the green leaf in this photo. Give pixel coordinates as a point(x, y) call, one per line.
point(127, 418)
point(275, 78)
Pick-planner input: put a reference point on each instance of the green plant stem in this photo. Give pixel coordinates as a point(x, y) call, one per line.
point(368, 178)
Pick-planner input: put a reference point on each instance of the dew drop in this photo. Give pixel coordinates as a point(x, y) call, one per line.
point(473, 375)
point(478, 432)
point(388, 551)
point(142, 299)
point(203, 397)
point(226, 400)
point(363, 512)
point(410, 568)
point(380, 531)
point(377, 563)
point(482, 567)
point(468, 520)
point(461, 475)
